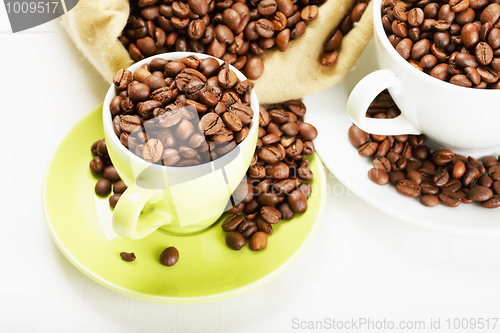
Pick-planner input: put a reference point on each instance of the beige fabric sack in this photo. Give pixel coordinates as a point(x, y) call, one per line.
point(94, 26)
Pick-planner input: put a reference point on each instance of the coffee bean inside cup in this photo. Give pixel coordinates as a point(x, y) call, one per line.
point(455, 41)
point(183, 118)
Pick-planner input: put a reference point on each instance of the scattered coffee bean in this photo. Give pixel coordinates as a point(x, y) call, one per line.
point(277, 181)
point(127, 256)
point(332, 45)
point(258, 241)
point(235, 240)
point(169, 256)
point(103, 187)
point(439, 176)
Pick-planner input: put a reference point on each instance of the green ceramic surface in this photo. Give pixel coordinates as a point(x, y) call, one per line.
point(207, 269)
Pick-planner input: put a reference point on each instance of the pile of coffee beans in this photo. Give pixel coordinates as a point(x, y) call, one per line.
point(332, 45)
point(457, 41)
point(416, 171)
point(181, 113)
point(235, 31)
point(101, 166)
point(277, 185)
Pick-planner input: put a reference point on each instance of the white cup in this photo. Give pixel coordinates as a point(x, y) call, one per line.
point(465, 120)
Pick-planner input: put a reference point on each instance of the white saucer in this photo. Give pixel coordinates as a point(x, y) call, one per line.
point(327, 111)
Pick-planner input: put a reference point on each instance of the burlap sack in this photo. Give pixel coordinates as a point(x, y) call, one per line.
point(95, 25)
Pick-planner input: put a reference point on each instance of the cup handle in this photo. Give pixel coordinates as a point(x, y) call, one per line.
point(365, 92)
point(129, 219)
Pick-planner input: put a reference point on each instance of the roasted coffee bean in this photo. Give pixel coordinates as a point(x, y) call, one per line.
point(297, 201)
point(267, 199)
point(378, 176)
point(111, 174)
point(247, 228)
point(126, 256)
point(470, 176)
point(232, 222)
point(113, 200)
point(450, 199)
point(357, 137)
point(258, 241)
point(97, 165)
point(235, 240)
point(153, 151)
point(493, 202)
point(169, 256)
point(270, 214)
point(103, 187)
point(494, 172)
point(429, 200)
point(453, 185)
point(442, 156)
point(264, 226)
point(119, 187)
point(480, 193)
point(441, 178)
point(408, 188)
point(368, 149)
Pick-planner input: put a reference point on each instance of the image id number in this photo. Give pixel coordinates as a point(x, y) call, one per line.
point(471, 323)
point(31, 7)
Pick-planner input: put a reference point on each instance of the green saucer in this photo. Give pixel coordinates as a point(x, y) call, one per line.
point(207, 269)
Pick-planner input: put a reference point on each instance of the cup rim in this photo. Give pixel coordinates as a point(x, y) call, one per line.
point(108, 121)
point(383, 38)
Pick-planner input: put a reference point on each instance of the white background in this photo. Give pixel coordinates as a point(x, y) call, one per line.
point(362, 263)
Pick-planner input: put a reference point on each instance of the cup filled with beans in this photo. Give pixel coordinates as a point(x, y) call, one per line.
point(440, 61)
point(181, 130)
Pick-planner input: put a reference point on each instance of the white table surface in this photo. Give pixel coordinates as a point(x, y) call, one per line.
point(362, 263)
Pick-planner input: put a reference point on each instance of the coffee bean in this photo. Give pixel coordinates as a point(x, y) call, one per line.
point(493, 202)
point(480, 193)
point(97, 165)
point(235, 240)
point(270, 214)
point(297, 201)
point(264, 226)
point(378, 176)
point(258, 241)
point(232, 222)
point(408, 188)
point(254, 68)
point(429, 200)
point(113, 200)
point(441, 178)
point(368, 149)
point(494, 172)
point(126, 256)
point(357, 137)
point(119, 187)
point(450, 199)
point(247, 228)
point(111, 174)
point(442, 156)
point(103, 187)
point(169, 256)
